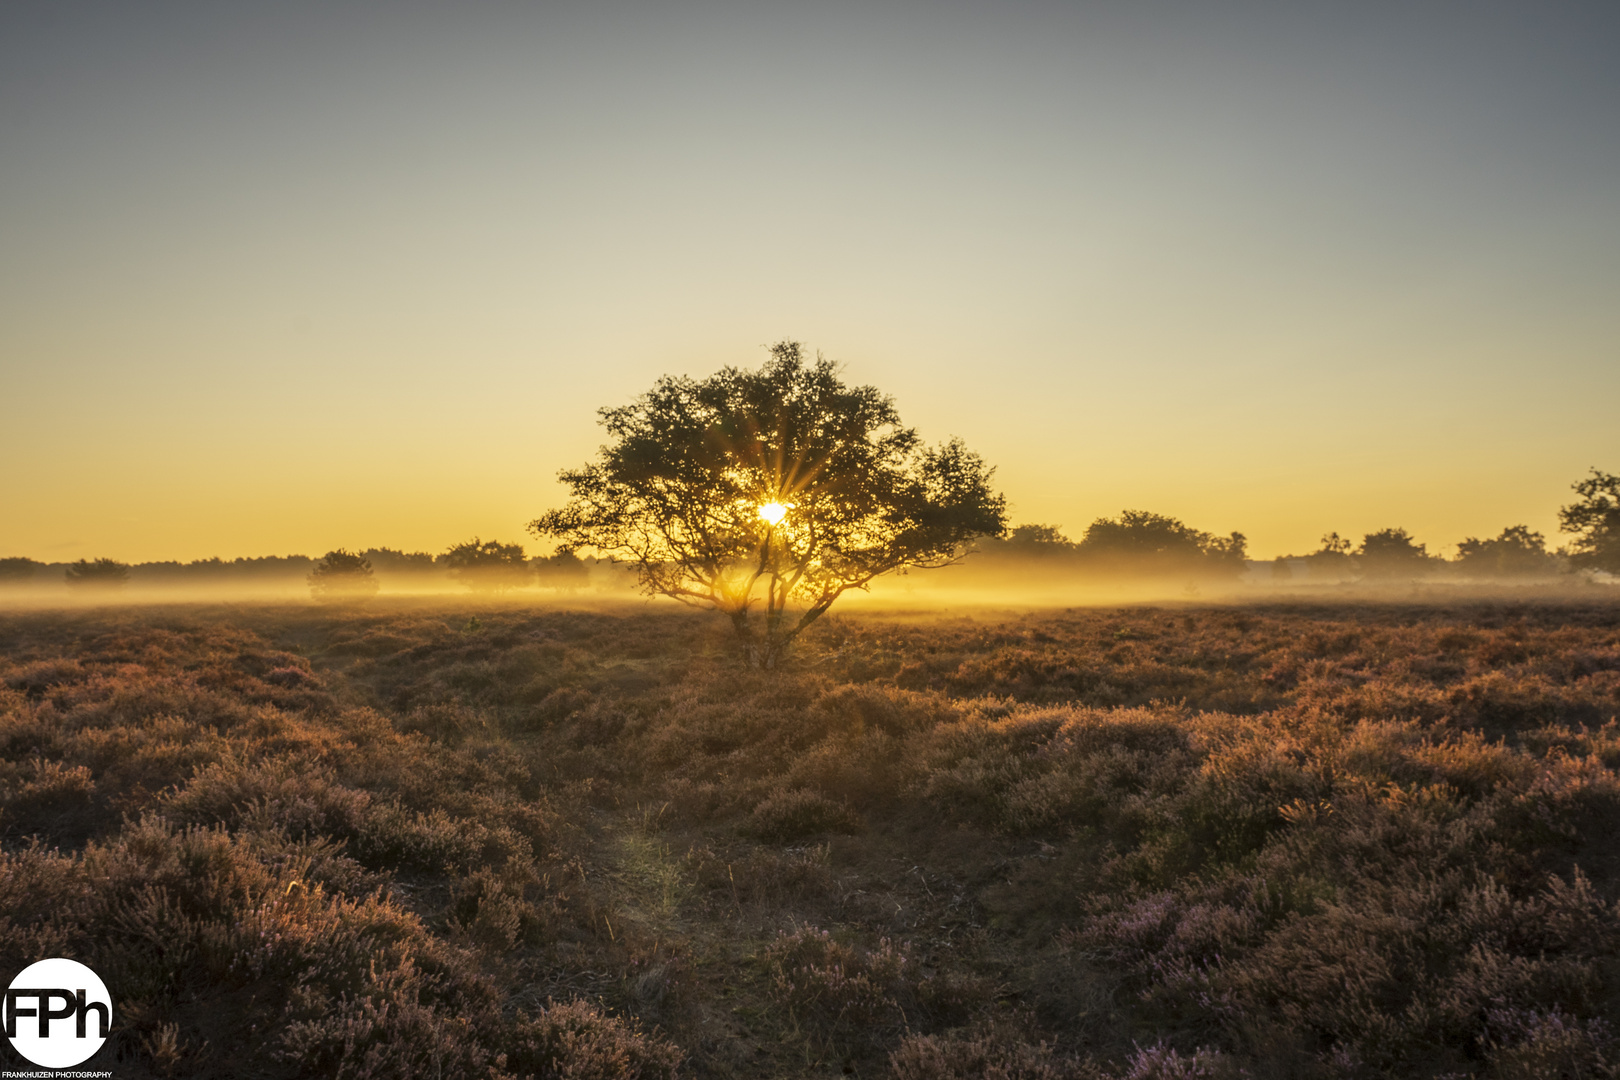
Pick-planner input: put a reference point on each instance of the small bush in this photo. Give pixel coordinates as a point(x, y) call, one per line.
point(794, 815)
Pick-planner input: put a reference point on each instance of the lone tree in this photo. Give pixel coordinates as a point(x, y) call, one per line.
point(100, 574)
point(1596, 522)
point(488, 565)
point(751, 491)
point(342, 575)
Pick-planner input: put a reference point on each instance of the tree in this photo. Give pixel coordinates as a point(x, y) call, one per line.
point(1334, 544)
point(1145, 542)
point(1595, 520)
point(1331, 559)
point(749, 491)
point(565, 572)
point(1391, 553)
point(1518, 551)
point(342, 575)
point(488, 565)
point(100, 574)
point(394, 561)
point(17, 569)
point(1042, 542)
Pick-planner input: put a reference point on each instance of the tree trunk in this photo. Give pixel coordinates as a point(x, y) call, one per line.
point(762, 651)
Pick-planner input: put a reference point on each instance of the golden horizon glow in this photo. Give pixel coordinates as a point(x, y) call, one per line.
point(369, 283)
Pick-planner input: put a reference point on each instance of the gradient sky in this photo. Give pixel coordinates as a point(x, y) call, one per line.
point(282, 277)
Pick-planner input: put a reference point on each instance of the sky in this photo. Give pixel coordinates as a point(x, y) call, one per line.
point(279, 278)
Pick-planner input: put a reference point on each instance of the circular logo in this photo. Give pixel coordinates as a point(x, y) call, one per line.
point(57, 1013)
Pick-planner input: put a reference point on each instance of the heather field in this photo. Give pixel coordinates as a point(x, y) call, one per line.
point(451, 839)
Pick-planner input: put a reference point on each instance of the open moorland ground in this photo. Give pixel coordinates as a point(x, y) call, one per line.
point(493, 841)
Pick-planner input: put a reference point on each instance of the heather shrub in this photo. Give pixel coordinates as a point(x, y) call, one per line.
point(46, 796)
point(1162, 1062)
point(841, 994)
point(444, 722)
point(759, 876)
point(1347, 842)
point(576, 1041)
point(988, 1055)
point(1530, 1044)
point(288, 793)
point(34, 679)
point(857, 708)
point(798, 813)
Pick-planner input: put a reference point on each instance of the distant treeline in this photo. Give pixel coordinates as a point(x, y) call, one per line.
point(476, 564)
point(1143, 544)
point(1137, 544)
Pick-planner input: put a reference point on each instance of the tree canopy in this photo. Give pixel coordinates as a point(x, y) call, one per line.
point(17, 569)
point(1145, 542)
point(564, 572)
point(1391, 553)
point(342, 575)
point(99, 574)
point(1518, 551)
point(749, 491)
point(488, 565)
point(1595, 521)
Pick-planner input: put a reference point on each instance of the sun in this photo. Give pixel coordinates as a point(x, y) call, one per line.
point(773, 513)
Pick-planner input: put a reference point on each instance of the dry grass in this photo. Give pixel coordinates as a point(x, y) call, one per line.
point(1308, 842)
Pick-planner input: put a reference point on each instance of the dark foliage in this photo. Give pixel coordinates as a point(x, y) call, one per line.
point(99, 574)
point(1595, 521)
point(749, 490)
point(488, 565)
point(1517, 552)
point(15, 570)
point(1142, 542)
point(342, 575)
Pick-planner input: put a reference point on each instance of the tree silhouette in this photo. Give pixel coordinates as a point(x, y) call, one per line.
point(1391, 553)
point(100, 574)
point(1595, 520)
point(1139, 541)
point(342, 575)
point(1332, 559)
point(750, 490)
point(1518, 551)
point(17, 569)
point(566, 572)
point(488, 565)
